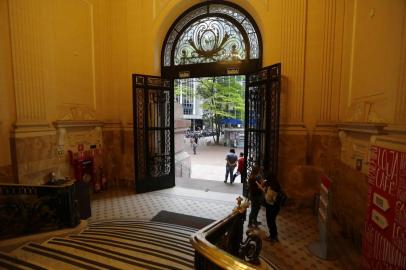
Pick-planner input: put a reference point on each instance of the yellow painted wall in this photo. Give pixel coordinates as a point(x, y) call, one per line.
point(90, 48)
point(7, 102)
point(372, 61)
point(356, 64)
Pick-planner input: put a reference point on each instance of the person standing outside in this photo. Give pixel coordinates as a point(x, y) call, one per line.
point(194, 146)
point(240, 167)
point(196, 138)
point(231, 163)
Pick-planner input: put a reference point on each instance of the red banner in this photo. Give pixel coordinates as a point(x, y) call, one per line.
point(384, 242)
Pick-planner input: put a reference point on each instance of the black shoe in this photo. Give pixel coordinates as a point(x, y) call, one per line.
point(272, 240)
point(225, 181)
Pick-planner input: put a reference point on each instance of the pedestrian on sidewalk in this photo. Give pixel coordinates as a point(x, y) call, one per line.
point(231, 163)
point(240, 167)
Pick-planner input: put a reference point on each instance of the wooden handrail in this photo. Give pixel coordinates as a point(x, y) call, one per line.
point(221, 258)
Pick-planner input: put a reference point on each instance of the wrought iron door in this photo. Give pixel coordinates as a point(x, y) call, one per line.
point(153, 133)
point(262, 119)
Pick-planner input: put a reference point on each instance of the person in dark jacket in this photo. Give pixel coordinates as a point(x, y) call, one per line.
point(231, 163)
point(271, 188)
point(255, 195)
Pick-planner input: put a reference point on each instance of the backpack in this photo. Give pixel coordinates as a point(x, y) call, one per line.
point(270, 196)
point(281, 198)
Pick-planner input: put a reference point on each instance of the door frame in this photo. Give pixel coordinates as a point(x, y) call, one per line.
point(141, 133)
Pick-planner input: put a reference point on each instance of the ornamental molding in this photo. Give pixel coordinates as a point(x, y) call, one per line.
point(363, 127)
point(77, 123)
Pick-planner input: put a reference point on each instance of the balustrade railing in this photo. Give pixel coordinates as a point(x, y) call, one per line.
point(221, 245)
point(27, 209)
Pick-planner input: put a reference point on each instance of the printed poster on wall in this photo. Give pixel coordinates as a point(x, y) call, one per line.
point(384, 241)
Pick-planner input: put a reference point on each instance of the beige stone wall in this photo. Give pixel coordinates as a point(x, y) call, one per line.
point(118, 152)
point(35, 158)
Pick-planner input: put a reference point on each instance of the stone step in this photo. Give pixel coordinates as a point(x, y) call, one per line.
point(114, 244)
point(10, 261)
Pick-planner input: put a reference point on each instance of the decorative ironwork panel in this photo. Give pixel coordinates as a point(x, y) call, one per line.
point(212, 32)
point(262, 119)
point(255, 125)
point(230, 11)
point(153, 131)
point(254, 46)
point(211, 39)
point(273, 129)
point(190, 16)
point(168, 48)
point(139, 128)
point(34, 209)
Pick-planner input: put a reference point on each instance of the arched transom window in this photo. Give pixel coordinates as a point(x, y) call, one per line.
point(212, 33)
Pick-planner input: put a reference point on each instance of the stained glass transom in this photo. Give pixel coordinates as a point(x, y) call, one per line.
point(213, 38)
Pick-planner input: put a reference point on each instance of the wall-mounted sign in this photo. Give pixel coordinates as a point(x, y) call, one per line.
point(381, 202)
point(322, 248)
point(184, 74)
point(384, 239)
point(233, 71)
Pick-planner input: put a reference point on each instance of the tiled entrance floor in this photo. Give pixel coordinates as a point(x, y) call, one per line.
point(297, 229)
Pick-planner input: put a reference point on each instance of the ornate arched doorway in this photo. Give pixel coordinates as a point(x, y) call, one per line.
point(214, 38)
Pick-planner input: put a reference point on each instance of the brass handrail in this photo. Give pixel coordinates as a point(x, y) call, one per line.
point(218, 256)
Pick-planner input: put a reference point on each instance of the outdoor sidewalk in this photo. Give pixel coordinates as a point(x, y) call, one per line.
point(209, 162)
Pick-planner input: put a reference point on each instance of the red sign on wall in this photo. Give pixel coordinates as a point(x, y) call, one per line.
point(384, 242)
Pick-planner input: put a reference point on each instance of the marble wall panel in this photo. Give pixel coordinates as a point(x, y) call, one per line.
point(35, 158)
point(298, 180)
point(6, 174)
point(127, 171)
point(303, 159)
point(35, 148)
point(112, 154)
point(323, 149)
point(349, 200)
point(349, 186)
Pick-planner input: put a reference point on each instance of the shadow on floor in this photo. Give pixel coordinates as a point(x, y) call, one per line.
point(208, 185)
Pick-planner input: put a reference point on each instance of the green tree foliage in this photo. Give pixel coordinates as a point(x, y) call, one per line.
point(223, 97)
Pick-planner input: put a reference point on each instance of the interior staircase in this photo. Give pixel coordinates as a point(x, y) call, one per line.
point(112, 244)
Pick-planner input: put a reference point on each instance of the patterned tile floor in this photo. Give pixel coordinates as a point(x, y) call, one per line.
point(297, 229)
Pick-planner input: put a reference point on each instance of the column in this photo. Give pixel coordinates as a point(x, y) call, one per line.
point(27, 42)
point(293, 42)
point(331, 53)
point(400, 109)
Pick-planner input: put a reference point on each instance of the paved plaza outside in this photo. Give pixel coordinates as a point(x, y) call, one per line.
point(209, 162)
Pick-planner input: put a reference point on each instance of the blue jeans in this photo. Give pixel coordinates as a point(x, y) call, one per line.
point(230, 170)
